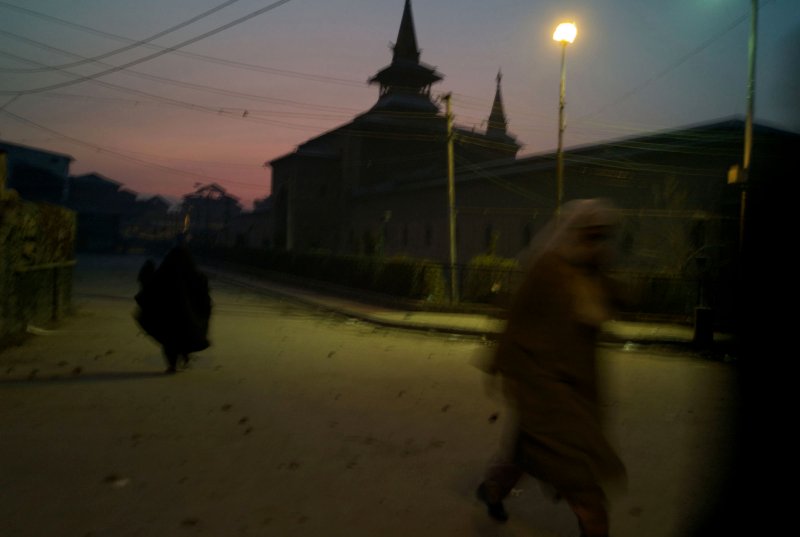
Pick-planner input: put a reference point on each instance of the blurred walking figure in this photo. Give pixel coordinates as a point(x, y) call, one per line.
point(146, 273)
point(546, 362)
point(175, 305)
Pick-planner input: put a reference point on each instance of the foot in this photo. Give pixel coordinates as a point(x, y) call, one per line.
point(185, 361)
point(171, 370)
point(496, 509)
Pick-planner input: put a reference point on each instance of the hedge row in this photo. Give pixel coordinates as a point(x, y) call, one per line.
point(486, 279)
point(400, 276)
point(488, 276)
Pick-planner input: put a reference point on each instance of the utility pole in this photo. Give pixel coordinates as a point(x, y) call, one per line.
point(3, 173)
point(451, 197)
point(748, 126)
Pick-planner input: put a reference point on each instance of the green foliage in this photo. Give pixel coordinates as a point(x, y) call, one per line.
point(487, 276)
point(412, 278)
point(357, 271)
point(401, 276)
point(433, 284)
point(56, 233)
point(37, 242)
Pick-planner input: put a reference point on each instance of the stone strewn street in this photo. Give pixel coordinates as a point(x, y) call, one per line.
point(298, 422)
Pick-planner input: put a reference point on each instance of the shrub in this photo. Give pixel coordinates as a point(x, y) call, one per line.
point(487, 276)
point(399, 276)
point(412, 278)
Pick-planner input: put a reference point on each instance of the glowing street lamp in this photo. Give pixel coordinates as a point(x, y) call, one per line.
point(565, 33)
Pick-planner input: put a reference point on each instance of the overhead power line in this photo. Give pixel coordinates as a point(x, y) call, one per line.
point(218, 111)
point(125, 48)
point(123, 155)
point(674, 65)
point(150, 56)
point(507, 185)
point(194, 55)
point(190, 85)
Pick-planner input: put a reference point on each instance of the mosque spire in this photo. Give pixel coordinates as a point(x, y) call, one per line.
point(405, 48)
point(405, 84)
point(497, 118)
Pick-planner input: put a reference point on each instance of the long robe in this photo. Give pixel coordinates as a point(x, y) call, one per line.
point(175, 304)
point(547, 359)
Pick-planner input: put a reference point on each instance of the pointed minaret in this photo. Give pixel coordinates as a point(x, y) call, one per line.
point(405, 48)
point(497, 127)
point(497, 118)
point(405, 84)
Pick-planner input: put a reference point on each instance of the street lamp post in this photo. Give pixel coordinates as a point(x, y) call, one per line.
point(565, 33)
point(451, 201)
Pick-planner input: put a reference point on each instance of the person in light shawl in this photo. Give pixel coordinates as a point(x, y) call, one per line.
point(547, 363)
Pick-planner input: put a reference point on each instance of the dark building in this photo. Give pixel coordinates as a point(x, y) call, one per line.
point(102, 205)
point(402, 139)
point(379, 185)
point(208, 213)
point(36, 174)
point(152, 223)
point(104, 209)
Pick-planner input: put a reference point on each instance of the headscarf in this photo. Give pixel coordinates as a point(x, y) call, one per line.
point(146, 272)
point(562, 235)
point(178, 263)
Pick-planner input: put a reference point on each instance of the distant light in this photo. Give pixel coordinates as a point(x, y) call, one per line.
point(565, 32)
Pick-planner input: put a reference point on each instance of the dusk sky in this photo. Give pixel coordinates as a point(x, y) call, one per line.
point(160, 95)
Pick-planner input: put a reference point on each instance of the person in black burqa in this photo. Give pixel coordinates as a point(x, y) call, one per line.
point(174, 305)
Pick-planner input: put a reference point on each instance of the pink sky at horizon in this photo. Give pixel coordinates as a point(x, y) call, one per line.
point(217, 109)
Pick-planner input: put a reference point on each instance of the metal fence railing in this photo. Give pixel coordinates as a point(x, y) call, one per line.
point(492, 283)
point(655, 295)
